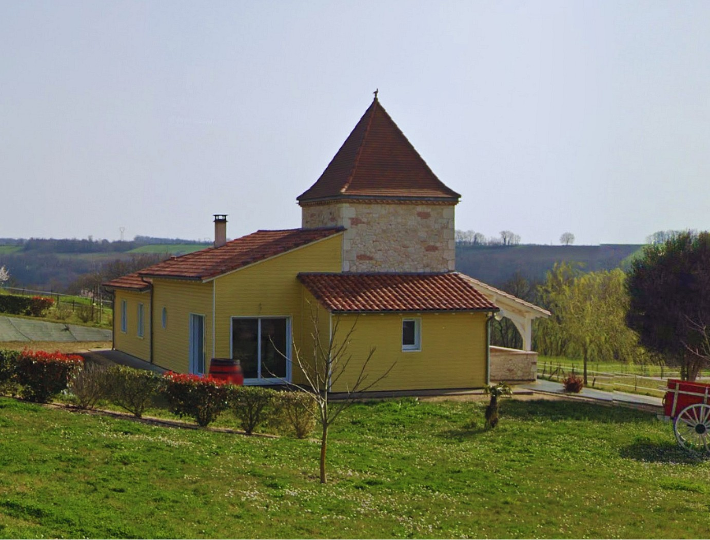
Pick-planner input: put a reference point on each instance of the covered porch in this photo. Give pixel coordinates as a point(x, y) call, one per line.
point(512, 365)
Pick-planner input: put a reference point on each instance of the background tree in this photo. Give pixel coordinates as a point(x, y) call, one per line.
point(4, 276)
point(567, 238)
point(669, 289)
point(588, 317)
point(509, 238)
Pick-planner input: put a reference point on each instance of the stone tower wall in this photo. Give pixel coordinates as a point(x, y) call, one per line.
point(390, 237)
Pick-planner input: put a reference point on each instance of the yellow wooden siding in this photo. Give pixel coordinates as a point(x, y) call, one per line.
point(128, 341)
point(452, 355)
point(271, 289)
point(315, 337)
point(180, 299)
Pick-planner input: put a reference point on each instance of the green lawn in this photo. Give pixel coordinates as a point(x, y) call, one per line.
point(6, 250)
point(398, 469)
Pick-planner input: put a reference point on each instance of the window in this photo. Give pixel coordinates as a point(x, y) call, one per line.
point(124, 316)
point(164, 317)
point(260, 345)
point(140, 320)
point(411, 335)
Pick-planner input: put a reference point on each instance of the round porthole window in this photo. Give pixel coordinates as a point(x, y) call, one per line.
point(165, 317)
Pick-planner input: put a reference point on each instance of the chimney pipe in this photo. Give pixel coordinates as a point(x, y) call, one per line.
point(220, 230)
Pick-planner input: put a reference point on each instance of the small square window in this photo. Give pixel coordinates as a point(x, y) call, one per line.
point(411, 335)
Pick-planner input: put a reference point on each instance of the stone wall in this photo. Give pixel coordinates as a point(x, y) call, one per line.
point(513, 365)
point(390, 237)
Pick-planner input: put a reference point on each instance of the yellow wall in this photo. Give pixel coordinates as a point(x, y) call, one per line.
point(271, 289)
point(128, 341)
point(180, 298)
point(453, 351)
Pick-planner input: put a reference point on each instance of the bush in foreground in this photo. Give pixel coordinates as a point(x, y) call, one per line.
point(90, 385)
point(296, 411)
point(200, 398)
point(250, 404)
point(134, 389)
point(43, 375)
point(8, 364)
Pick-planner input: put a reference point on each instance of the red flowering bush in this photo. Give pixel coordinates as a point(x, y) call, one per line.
point(573, 383)
point(200, 398)
point(39, 305)
point(43, 375)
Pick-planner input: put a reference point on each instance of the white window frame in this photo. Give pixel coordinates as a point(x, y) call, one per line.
point(260, 380)
point(140, 332)
point(417, 345)
point(124, 316)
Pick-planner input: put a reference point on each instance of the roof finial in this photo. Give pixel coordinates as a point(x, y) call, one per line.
point(375, 92)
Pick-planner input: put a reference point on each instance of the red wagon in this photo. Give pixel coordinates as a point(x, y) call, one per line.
point(687, 404)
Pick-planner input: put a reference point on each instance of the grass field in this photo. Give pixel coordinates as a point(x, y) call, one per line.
point(6, 250)
point(398, 469)
point(177, 249)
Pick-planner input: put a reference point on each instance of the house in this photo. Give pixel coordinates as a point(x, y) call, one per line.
point(374, 257)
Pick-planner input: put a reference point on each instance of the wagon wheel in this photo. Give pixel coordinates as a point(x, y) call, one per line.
point(692, 428)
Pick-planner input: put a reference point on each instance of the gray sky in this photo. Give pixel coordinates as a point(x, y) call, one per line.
point(589, 117)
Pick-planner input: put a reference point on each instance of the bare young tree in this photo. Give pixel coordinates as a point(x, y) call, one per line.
point(325, 369)
point(567, 238)
point(4, 275)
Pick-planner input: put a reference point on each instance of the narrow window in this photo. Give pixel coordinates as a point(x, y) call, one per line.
point(411, 335)
point(124, 316)
point(140, 320)
point(165, 317)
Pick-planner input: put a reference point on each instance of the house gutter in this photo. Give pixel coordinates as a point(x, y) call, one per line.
point(488, 348)
point(150, 319)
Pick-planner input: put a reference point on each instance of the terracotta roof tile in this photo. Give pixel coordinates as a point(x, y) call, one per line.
point(130, 281)
point(377, 161)
point(212, 262)
point(378, 292)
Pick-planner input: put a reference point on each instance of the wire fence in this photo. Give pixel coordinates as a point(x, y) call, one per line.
point(612, 379)
point(90, 308)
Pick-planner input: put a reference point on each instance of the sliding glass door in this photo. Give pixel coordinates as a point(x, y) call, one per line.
point(263, 346)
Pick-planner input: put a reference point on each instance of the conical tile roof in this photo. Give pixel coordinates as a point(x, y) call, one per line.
point(378, 162)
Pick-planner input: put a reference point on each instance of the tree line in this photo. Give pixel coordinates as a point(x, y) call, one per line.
point(657, 312)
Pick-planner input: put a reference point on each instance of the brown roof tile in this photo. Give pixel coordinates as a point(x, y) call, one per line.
point(378, 292)
point(377, 161)
point(255, 247)
point(130, 281)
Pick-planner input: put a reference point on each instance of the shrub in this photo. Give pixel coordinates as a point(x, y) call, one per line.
point(200, 398)
point(14, 304)
point(43, 375)
point(296, 411)
point(39, 305)
point(8, 364)
point(91, 384)
point(573, 383)
point(133, 389)
point(250, 404)
point(85, 312)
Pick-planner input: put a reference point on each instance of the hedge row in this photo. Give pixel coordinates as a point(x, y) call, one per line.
point(35, 306)
point(39, 377)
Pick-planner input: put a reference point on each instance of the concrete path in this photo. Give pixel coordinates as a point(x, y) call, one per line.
point(108, 356)
point(18, 329)
point(551, 387)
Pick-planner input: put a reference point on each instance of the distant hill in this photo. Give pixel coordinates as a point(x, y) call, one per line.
point(496, 264)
